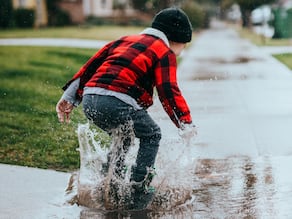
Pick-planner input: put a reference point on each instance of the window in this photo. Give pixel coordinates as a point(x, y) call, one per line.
point(103, 3)
point(22, 3)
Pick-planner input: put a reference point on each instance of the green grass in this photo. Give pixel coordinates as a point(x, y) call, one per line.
point(91, 32)
point(30, 86)
point(285, 58)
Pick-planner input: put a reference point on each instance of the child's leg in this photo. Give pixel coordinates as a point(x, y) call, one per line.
point(109, 113)
point(149, 134)
point(122, 140)
point(113, 116)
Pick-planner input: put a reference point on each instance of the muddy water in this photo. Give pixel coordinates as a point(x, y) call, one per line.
point(230, 187)
point(237, 187)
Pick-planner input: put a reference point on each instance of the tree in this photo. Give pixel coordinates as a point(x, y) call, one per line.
point(246, 6)
point(139, 4)
point(195, 13)
point(225, 4)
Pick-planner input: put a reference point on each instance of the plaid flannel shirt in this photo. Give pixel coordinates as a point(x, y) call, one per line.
point(134, 65)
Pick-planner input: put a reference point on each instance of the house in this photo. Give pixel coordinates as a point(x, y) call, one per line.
point(98, 8)
point(79, 10)
point(41, 15)
point(107, 8)
point(74, 8)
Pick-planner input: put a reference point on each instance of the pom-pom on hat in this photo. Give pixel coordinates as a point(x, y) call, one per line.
point(174, 23)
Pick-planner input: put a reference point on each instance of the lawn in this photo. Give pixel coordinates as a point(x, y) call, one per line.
point(90, 32)
point(30, 86)
point(285, 58)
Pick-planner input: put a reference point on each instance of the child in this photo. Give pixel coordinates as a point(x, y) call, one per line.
point(116, 87)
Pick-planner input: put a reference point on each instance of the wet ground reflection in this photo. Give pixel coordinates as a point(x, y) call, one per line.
point(215, 68)
point(231, 188)
point(234, 187)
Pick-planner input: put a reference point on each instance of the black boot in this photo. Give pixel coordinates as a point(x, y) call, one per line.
point(142, 193)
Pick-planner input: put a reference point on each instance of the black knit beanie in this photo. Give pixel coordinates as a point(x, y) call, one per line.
point(175, 24)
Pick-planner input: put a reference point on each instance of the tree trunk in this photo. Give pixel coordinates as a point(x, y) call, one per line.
point(245, 15)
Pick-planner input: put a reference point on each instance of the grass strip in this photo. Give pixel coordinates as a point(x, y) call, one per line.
point(91, 32)
point(30, 86)
point(285, 58)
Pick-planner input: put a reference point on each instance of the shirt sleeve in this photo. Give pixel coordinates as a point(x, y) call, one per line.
point(169, 93)
point(87, 71)
point(70, 93)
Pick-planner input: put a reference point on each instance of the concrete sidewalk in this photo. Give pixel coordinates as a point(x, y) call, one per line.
point(240, 98)
point(57, 42)
point(276, 49)
point(33, 193)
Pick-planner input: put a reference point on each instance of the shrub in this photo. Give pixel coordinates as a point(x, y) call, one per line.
point(6, 13)
point(59, 17)
point(24, 17)
point(196, 14)
point(119, 20)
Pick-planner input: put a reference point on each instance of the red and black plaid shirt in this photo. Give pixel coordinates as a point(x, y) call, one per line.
point(134, 65)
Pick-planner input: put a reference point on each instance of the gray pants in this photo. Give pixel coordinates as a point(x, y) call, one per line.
point(109, 113)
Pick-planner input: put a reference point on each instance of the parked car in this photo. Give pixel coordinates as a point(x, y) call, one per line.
point(261, 15)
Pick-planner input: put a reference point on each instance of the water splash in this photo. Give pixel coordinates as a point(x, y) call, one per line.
point(93, 188)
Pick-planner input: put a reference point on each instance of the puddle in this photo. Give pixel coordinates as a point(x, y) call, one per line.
point(189, 186)
point(203, 75)
point(233, 60)
point(92, 188)
point(225, 69)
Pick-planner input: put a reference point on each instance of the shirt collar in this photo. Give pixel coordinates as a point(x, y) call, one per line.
point(157, 33)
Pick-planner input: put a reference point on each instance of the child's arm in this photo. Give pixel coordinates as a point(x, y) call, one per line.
point(68, 100)
point(70, 93)
point(169, 93)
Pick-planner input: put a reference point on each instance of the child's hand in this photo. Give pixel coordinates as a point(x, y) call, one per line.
point(188, 131)
point(63, 109)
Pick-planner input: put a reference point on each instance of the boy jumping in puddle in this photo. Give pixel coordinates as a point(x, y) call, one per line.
point(116, 87)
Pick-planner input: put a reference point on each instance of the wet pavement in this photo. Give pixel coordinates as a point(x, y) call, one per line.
point(240, 98)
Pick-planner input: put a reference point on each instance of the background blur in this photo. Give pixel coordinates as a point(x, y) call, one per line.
point(274, 15)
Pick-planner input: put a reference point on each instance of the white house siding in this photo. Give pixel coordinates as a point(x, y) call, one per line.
point(98, 8)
